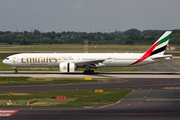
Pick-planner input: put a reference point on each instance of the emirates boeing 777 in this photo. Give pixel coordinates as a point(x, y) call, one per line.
point(69, 62)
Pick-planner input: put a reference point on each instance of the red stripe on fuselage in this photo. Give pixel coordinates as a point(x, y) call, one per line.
point(146, 55)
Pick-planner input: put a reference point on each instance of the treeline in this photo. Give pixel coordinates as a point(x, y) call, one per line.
point(129, 37)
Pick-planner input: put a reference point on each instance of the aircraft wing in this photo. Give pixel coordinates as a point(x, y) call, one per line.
point(90, 63)
point(162, 57)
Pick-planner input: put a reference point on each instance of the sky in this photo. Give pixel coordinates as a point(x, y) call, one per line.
point(89, 15)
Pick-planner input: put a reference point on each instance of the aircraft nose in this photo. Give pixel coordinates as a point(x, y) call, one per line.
point(4, 61)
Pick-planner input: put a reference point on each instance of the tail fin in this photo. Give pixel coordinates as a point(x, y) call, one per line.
point(160, 44)
point(157, 48)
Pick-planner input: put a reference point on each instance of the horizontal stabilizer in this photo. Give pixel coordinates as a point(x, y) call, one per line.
point(162, 57)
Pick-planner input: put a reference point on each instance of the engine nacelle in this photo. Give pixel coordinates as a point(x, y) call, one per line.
point(67, 67)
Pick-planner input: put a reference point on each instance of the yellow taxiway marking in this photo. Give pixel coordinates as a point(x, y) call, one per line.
point(98, 91)
point(171, 66)
point(88, 78)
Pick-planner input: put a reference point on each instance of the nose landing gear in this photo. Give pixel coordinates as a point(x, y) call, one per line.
point(16, 71)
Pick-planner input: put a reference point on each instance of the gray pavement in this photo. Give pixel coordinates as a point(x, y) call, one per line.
point(168, 66)
point(128, 108)
point(148, 101)
point(122, 83)
point(115, 75)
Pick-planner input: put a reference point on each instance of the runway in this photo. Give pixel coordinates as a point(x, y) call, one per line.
point(149, 100)
point(134, 106)
point(129, 83)
point(156, 95)
point(129, 74)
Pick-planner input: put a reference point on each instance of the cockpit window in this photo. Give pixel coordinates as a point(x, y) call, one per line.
point(6, 58)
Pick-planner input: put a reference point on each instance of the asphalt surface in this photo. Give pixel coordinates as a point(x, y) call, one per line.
point(129, 83)
point(156, 95)
point(135, 106)
point(114, 75)
point(170, 65)
point(149, 100)
point(133, 111)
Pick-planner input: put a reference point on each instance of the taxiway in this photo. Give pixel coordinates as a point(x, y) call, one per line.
point(156, 95)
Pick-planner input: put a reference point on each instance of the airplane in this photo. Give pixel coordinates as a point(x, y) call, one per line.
point(69, 62)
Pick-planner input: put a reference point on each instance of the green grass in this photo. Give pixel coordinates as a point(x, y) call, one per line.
point(174, 54)
point(69, 104)
point(4, 55)
point(74, 48)
point(33, 81)
point(77, 98)
point(77, 48)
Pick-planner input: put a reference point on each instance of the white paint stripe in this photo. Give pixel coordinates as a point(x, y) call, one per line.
point(165, 35)
point(116, 102)
point(161, 45)
point(5, 115)
point(8, 111)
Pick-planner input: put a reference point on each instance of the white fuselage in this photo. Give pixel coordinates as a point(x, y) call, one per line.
point(54, 59)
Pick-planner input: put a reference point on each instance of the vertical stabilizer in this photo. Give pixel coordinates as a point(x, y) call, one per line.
point(162, 44)
point(158, 48)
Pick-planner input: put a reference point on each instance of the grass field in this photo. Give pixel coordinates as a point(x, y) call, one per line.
point(77, 48)
point(76, 98)
point(74, 48)
point(33, 80)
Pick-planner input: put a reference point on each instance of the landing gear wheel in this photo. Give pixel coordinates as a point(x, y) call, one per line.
point(88, 72)
point(85, 72)
point(15, 70)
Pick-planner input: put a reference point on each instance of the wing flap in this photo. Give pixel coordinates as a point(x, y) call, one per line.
point(90, 62)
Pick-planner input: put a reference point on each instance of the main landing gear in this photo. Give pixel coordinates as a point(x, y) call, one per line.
point(15, 68)
point(88, 72)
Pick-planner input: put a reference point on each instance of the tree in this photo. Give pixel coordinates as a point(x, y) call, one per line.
point(36, 32)
point(132, 32)
point(91, 36)
point(23, 42)
point(109, 37)
point(129, 42)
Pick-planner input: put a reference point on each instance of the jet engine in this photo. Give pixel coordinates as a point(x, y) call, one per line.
point(67, 67)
